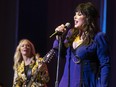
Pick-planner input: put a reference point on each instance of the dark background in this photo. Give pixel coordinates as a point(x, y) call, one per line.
point(36, 21)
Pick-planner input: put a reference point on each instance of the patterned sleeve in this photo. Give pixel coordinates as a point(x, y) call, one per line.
point(14, 78)
point(43, 75)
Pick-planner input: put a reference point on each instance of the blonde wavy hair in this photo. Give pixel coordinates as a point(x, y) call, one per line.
point(17, 56)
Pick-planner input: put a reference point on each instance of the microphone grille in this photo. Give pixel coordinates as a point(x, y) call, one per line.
point(67, 25)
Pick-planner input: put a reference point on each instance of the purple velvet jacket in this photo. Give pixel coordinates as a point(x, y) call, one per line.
point(86, 66)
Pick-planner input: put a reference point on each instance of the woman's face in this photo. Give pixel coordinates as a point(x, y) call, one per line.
point(25, 48)
point(79, 20)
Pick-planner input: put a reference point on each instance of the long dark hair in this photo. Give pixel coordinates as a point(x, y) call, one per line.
point(91, 25)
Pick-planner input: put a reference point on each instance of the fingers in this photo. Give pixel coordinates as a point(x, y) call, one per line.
point(40, 60)
point(61, 28)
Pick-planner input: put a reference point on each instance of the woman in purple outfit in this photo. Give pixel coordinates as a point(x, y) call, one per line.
point(86, 50)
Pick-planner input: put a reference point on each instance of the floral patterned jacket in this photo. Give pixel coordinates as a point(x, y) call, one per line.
point(21, 78)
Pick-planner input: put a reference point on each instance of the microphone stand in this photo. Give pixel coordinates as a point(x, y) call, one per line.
point(58, 60)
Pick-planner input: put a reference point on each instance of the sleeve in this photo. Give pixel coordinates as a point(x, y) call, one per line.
point(43, 75)
point(63, 44)
point(55, 44)
point(104, 58)
point(14, 78)
point(64, 39)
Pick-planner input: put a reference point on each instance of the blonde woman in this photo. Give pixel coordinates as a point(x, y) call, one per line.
point(26, 63)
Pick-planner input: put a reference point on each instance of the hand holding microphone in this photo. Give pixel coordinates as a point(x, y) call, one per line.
point(60, 29)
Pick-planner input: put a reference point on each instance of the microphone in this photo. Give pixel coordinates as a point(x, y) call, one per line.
point(67, 25)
